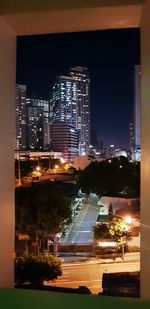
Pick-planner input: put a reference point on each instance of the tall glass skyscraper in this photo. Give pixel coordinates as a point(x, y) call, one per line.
point(70, 104)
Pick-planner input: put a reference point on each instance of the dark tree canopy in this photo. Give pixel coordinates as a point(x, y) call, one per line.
point(110, 177)
point(40, 209)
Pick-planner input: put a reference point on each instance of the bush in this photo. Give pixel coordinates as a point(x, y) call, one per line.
point(36, 269)
point(133, 249)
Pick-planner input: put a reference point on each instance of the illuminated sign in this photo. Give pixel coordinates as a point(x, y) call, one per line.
point(105, 244)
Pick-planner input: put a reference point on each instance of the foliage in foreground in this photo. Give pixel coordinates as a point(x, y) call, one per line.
point(36, 269)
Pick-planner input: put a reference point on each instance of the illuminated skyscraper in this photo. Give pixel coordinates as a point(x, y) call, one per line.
point(45, 105)
point(70, 104)
point(35, 123)
point(20, 138)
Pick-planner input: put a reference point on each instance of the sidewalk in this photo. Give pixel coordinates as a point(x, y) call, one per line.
point(135, 256)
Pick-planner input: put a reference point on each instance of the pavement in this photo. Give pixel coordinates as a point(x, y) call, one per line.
point(133, 257)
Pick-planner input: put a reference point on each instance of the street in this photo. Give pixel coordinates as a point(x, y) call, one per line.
point(81, 230)
point(89, 273)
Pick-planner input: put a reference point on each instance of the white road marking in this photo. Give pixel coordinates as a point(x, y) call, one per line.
point(83, 231)
point(76, 282)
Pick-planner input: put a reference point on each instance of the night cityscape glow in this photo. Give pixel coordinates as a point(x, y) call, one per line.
point(77, 156)
point(110, 57)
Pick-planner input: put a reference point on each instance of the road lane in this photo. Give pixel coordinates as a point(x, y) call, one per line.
point(81, 230)
point(90, 274)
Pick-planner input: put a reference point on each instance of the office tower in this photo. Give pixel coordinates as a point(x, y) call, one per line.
point(70, 104)
point(65, 139)
point(46, 118)
point(137, 112)
point(64, 101)
point(35, 124)
point(20, 134)
point(96, 140)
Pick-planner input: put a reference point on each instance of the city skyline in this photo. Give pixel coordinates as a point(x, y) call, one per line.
point(70, 104)
point(110, 57)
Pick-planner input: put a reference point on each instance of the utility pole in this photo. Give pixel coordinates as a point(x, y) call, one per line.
point(55, 245)
point(122, 245)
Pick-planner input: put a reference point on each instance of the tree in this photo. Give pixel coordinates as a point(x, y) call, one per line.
point(115, 229)
point(33, 269)
point(40, 210)
point(101, 231)
point(99, 177)
point(118, 228)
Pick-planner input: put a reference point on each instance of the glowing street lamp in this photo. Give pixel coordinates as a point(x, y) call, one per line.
point(38, 168)
point(37, 172)
point(128, 219)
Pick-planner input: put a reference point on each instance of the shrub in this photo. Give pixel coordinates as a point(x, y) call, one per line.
point(36, 269)
point(133, 249)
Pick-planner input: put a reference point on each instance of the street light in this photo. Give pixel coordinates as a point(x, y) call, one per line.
point(128, 219)
point(38, 168)
point(37, 172)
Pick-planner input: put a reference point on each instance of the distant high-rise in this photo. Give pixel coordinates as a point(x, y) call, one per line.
point(131, 137)
point(35, 124)
point(65, 139)
point(70, 104)
point(137, 112)
point(96, 141)
point(45, 105)
point(20, 138)
point(137, 104)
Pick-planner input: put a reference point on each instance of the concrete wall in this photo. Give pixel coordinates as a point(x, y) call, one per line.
point(70, 20)
point(145, 152)
point(7, 116)
point(7, 121)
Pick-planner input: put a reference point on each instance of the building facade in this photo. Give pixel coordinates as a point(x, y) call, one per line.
point(65, 139)
point(45, 105)
point(35, 125)
point(70, 103)
point(20, 133)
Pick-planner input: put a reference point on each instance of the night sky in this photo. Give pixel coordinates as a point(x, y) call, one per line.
point(110, 57)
